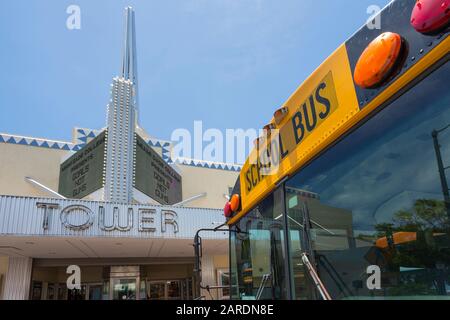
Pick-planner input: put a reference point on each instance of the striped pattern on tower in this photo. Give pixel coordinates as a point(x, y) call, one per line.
point(120, 143)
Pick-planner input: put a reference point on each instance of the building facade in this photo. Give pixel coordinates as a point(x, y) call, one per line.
point(111, 206)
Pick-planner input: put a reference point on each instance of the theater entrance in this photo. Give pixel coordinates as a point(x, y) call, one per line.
point(121, 282)
point(170, 289)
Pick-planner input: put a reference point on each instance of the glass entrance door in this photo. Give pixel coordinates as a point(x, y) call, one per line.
point(124, 289)
point(167, 290)
point(77, 294)
point(173, 290)
point(95, 291)
point(157, 291)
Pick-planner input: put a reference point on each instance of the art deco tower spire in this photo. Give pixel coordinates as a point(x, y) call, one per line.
point(122, 122)
point(129, 56)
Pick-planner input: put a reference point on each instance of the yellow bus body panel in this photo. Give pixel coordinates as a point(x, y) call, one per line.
point(346, 114)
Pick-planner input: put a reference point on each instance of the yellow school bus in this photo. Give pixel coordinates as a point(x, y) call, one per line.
point(345, 196)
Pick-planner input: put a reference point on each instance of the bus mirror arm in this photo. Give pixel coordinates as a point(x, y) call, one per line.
point(198, 251)
point(198, 248)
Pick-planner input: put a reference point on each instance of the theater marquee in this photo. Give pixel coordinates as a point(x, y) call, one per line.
point(63, 217)
point(154, 177)
point(82, 173)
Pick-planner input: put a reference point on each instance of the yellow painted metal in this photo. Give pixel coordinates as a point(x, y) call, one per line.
point(345, 115)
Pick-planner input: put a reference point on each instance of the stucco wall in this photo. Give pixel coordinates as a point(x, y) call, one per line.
point(19, 161)
point(214, 182)
point(42, 164)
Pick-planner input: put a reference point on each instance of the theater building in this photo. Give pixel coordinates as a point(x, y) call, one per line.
point(112, 202)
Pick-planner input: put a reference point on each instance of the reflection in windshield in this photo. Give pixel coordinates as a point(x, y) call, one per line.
point(369, 213)
point(258, 262)
point(375, 199)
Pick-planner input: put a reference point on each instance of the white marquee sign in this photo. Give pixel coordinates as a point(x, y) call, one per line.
point(56, 217)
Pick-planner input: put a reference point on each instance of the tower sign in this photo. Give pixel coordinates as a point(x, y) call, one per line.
point(119, 160)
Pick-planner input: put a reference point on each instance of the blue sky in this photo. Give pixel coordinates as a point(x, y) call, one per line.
point(229, 63)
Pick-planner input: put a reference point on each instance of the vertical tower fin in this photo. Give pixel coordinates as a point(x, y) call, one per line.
point(122, 122)
point(129, 57)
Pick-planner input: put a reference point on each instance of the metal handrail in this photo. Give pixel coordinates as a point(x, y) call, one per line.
point(318, 283)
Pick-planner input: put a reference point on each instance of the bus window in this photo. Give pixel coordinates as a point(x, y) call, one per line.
point(258, 262)
point(375, 199)
point(260, 243)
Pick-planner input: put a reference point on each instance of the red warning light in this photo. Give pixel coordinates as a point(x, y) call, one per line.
point(429, 16)
point(227, 210)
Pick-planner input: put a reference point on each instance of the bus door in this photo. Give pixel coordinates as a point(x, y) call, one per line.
point(306, 283)
point(260, 260)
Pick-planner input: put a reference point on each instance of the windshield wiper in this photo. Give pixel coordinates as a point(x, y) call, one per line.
point(317, 282)
point(261, 288)
point(309, 252)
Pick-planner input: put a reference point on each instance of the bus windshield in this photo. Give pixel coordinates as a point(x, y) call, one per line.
point(377, 211)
